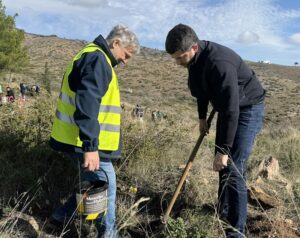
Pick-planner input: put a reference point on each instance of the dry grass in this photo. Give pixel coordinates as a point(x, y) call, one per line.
point(153, 152)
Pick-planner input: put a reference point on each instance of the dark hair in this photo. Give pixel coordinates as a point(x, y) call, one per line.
point(181, 37)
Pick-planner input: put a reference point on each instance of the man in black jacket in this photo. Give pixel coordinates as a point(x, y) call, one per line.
point(219, 76)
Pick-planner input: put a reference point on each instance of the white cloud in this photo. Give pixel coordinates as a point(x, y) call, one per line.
point(87, 3)
point(295, 38)
point(248, 37)
point(234, 23)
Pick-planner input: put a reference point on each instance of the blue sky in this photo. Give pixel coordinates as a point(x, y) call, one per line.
point(255, 29)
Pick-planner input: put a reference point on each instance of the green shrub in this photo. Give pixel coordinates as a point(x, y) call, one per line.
point(178, 229)
point(29, 167)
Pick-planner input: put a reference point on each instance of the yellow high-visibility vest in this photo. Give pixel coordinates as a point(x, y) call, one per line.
point(65, 130)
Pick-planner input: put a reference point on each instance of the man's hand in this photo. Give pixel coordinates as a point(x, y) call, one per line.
point(203, 127)
point(91, 161)
point(220, 162)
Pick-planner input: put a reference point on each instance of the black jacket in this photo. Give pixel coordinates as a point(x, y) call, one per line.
point(218, 75)
point(90, 77)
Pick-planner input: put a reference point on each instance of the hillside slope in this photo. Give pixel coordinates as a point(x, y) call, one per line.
point(157, 82)
point(153, 154)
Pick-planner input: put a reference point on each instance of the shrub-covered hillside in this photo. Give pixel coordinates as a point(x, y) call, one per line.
point(35, 179)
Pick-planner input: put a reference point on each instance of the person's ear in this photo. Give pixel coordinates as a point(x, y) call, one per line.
point(195, 47)
point(116, 43)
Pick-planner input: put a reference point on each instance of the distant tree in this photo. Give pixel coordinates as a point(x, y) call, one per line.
point(13, 55)
point(296, 63)
point(46, 79)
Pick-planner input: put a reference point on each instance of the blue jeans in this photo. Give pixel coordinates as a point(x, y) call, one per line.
point(232, 192)
point(105, 224)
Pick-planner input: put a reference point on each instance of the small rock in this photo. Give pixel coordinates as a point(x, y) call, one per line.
point(269, 168)
point(258, 197)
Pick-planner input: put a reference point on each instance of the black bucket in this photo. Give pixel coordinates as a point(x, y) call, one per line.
point(91, 198)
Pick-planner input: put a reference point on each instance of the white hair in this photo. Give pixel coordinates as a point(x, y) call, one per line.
point(126, 37)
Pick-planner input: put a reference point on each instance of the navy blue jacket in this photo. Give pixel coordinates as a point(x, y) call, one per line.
point(218, 75)
point(90, 78)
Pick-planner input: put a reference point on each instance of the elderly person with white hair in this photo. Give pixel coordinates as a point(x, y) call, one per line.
point(88, 116)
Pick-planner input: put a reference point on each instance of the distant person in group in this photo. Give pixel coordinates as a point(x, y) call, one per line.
point(10, 94)
point(123, 107)
point(1, 89)
point(88, 117)
point(34, 89)
point(37, 89)
point(216, 74)
point(137, 110)
point(23, 90)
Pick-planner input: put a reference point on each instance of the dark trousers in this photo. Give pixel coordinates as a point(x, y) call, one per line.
point(232, 193)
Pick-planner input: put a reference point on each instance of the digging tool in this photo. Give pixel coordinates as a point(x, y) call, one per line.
point(187, 168)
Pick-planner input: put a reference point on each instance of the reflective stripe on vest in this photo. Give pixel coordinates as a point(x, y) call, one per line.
point(69, 119)
point(65, 129)
point(103, 108)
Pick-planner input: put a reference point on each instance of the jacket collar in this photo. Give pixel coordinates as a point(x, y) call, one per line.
point(101, 42)
point(200, 54)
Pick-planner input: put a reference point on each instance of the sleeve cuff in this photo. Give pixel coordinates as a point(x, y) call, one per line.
point(88, 146)
point(225, 150)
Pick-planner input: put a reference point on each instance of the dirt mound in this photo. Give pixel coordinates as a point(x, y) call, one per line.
point(263, 227)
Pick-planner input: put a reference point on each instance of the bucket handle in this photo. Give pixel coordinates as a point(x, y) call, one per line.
point(107, 180)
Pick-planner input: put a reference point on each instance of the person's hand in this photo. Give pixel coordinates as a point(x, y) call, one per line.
point(91, 161)
point(220, 162)
point(203, 127)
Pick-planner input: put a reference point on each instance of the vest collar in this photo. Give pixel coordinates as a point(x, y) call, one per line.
point(101, 42)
